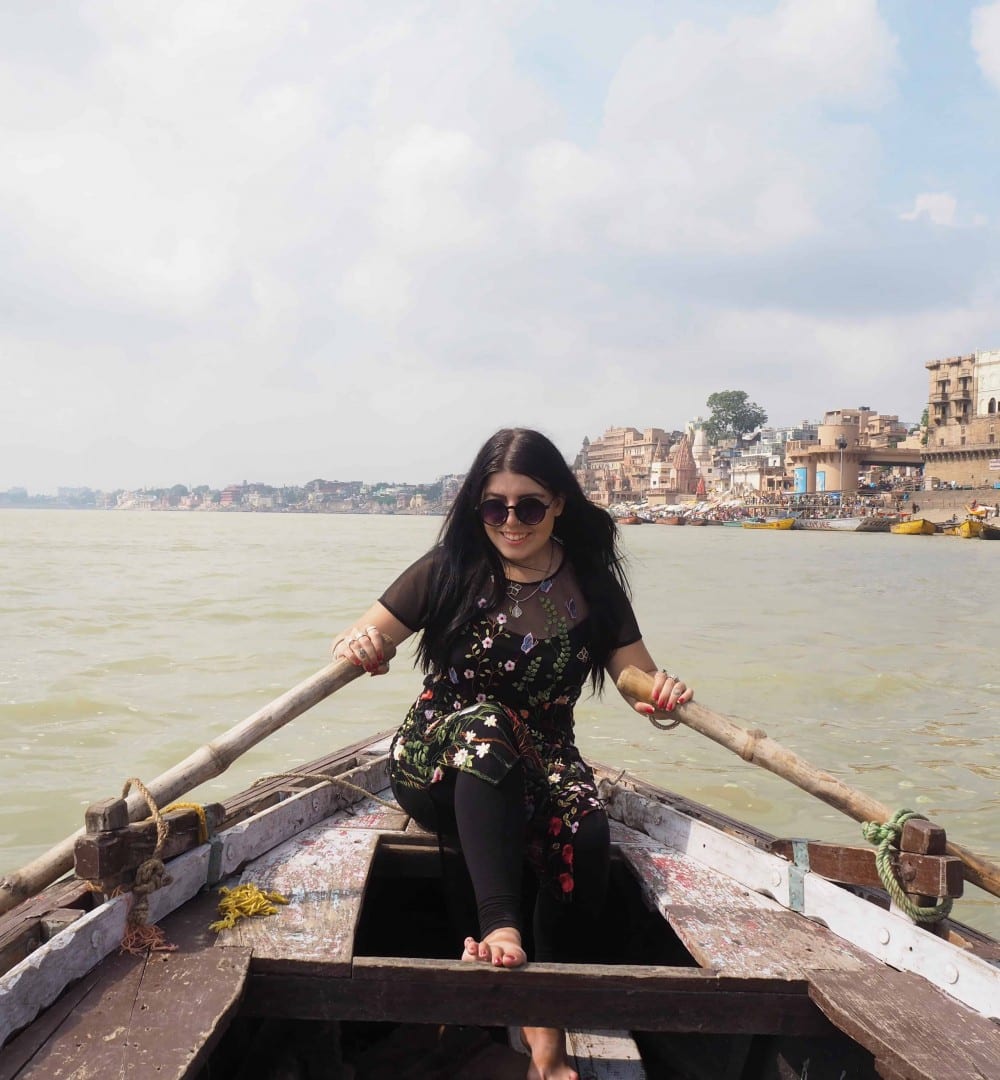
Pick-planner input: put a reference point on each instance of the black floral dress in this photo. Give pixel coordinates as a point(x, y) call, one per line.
point(508, 696)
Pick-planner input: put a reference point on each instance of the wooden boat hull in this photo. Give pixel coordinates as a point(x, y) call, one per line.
point(970, 529)
point(844, 524)
point(913, 527)
point(990, 532)
point(710, 931)
point(776, 523)
point(671, 519)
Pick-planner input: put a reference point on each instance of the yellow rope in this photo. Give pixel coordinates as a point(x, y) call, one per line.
point(244, 901)
point(199, 810)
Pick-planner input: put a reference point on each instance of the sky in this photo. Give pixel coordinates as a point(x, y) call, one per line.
point(242, 240)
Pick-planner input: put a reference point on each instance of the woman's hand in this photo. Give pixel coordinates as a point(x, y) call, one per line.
point(668, 691)
point(364, 647)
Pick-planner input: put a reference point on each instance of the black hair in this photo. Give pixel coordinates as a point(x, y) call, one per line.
point(467, 560)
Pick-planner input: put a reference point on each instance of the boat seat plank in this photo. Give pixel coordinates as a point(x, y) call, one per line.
point(886, 1012)
point(150, 1016)
point(604, 1055)
point(731, 929)
point(323, 872)
point(564, 995)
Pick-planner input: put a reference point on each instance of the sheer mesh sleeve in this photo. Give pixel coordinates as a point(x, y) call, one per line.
point(627, 630)
point(407, 596)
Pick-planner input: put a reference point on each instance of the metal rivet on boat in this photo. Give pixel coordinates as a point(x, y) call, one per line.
point(951, 973)
point(315, 803)
point(884, 935)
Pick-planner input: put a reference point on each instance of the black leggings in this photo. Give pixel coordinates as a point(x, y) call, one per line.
point(488, 820)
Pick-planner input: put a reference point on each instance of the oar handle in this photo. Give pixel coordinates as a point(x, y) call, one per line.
point(758, 748)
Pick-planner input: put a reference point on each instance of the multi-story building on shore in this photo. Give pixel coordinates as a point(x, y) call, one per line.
point(962, 420)
point(617, 466)
point(847, 442)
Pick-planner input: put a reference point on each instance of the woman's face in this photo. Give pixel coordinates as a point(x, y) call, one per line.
point(515, 541)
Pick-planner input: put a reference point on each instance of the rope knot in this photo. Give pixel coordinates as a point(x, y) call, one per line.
point(886, 836)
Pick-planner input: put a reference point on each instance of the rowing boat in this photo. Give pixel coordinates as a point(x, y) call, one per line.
point(969, 529)
point(726, 951)
point(914, 527)
point(771, 523)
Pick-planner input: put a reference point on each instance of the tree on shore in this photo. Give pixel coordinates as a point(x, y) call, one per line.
point(733, 415)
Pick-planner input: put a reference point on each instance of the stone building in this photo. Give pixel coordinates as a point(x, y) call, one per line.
point(848, 441)
point(963, 402)
point(617, 467)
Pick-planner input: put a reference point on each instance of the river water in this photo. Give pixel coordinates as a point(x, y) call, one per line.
point(129, 639)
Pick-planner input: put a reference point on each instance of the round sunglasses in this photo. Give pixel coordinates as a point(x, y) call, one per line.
point(529, 511)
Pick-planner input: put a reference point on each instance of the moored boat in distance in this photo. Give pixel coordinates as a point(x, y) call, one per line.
point(914, 527)
point(829, 524)
point(774, 523)
point(971, 528)
point(990, 532)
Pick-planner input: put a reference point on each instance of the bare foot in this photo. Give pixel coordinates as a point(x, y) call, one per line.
point(501, 948)
point(548, 1054)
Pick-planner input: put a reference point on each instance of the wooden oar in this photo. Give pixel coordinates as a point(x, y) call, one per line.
point(756, 747)
point(205, 763)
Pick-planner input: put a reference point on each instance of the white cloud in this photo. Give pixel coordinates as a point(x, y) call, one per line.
point(985, 24)
point(238, 235)
point(937, 206)
point(727, 136)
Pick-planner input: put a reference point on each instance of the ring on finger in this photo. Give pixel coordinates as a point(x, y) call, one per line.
point(363, 653)
point(371, 629)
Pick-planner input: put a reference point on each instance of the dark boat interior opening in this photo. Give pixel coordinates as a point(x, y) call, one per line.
point(419, 903)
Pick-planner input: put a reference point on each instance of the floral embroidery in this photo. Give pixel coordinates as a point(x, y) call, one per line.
point(507, 697)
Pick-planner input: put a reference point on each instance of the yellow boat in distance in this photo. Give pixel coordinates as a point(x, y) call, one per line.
point(775, 523)
point(970, 528)
point(913, 527)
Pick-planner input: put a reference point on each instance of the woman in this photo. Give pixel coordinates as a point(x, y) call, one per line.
point(522, 601)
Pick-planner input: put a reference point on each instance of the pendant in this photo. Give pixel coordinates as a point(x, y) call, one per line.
point(516, 610)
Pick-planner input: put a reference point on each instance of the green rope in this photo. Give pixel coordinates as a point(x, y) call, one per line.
point(887, 838)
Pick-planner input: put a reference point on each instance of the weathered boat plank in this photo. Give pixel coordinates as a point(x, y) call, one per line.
point(604, 1055)
point(22, 930)
point(255, 836)
point(886, 1012)
point(41, 977)
point(884, 935)
point(323, 872)
point(565, 995)
point(149, 1016)
point(729, 929)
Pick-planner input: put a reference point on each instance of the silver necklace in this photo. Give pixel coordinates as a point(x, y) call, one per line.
point(514, 590)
